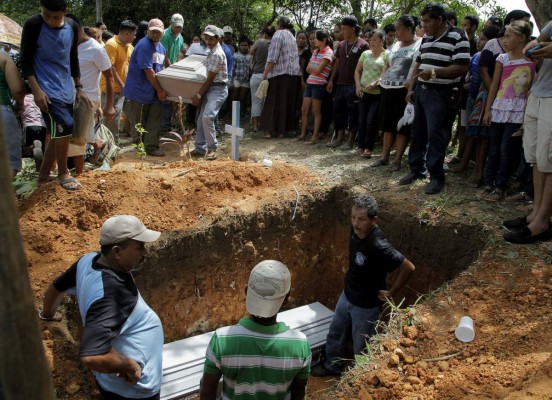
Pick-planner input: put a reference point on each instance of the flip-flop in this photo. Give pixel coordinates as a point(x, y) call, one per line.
point(69, 184)
point(311, 142)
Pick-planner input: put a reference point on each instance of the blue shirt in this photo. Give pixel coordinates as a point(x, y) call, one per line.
point(51, 56)
point(115, 316)
point(475, 76)
point(229, 60)
point(146, 55)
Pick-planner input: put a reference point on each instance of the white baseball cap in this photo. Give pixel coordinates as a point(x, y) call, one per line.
point(177, 20)
point(119, 228)
point(211, 30)
point(269, 283)
point(227, 29)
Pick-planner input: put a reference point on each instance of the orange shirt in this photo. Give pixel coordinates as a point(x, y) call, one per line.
point(119, 55)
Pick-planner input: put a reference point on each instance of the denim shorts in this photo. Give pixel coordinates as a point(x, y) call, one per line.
point(315, 91)
point(13, 137)
point(59, 119)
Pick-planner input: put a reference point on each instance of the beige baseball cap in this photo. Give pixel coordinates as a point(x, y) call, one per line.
point(156, 24)
point(269, 283)
point(119, 228)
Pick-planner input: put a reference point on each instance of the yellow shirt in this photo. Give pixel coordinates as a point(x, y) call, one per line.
point(119, 56)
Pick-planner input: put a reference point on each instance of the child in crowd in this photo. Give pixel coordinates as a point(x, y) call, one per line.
point(241, 74)
point(474, 102)
point(505, 107)
point(319, 68)
point(34, 129)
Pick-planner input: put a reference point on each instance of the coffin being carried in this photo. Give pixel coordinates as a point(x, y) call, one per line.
point(183, 78)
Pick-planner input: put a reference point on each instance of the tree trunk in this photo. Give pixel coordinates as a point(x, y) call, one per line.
point(99, 11)
point(24, 372)
point(541, 10)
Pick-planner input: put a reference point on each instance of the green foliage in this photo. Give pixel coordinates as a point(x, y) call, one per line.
point(140, 149)
point(25, 181)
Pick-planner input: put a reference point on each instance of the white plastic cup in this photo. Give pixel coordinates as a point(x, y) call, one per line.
point(267, 162)
point(464, 332)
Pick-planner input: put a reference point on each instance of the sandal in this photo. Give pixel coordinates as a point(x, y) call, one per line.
point(495, 195)
point(395, 167)
point(311, 142)
point(299, 139)
point(69, 184)
point(487, 190)
point(521, 196)
point(366, 154)
point(379, 163)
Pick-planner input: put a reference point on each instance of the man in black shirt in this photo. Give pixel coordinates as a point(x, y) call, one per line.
point(371, 257)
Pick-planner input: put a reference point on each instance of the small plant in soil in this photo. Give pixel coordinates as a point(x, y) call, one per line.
point(181, 137)
point(140, 149)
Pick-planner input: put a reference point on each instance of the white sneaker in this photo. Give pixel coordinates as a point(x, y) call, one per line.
point(211, 155)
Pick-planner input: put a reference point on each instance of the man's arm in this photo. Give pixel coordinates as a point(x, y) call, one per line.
point(109, 111)
point(298, 388)
point(113, 362)
point(412, 82)
point(405, 270)
point(209, 385)
point(203, 89)
point(161, 94)
point(14, 81)
point(50, 303)
point(329, 86)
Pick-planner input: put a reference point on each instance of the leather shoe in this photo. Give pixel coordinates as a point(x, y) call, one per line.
point(411, 177)
point(155, 153)
point(434, 186)
point(515, 224)
point(320, 371)
point(195, 153)
point(525, 236)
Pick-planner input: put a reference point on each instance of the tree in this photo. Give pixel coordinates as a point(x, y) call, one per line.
point(541, 10)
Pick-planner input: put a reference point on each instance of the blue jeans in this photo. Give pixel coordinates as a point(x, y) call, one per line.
point(368, 120)
point(349, 320)
point(206, 138)
point(345, 107)
point(167, 115)
point(500, 155)
point(429, 142)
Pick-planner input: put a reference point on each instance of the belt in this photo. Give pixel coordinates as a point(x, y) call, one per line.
point(218, 84)
point(446, 86)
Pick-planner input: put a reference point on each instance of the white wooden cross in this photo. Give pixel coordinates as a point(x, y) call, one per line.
point(235, 131)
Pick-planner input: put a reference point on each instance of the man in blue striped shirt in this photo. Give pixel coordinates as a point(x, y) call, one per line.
point(259, 358)
point(443, 58)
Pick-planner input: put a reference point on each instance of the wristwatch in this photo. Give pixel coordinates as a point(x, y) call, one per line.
point(433, 73)
point(198, 95)
point(78, 87)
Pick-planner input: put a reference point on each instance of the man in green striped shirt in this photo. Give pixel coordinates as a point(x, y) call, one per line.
point(259, 358)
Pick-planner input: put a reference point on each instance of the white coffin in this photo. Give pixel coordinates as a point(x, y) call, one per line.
point(183, 78)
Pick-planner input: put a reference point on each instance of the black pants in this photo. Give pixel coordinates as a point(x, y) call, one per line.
point(113, 396)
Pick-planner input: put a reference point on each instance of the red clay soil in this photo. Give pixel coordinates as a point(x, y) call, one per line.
point(508, 291)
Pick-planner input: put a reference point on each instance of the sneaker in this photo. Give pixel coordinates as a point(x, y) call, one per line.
point(320, 370)
point(155, 153)
point(346, 146)
point(434, 186)
point(196, 153)
point(211, 155)
point(411, 177)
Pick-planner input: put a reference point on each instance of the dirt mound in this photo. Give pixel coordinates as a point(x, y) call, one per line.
point(58, 225)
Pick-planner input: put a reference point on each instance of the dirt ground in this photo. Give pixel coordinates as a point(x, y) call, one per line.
point(507, 290)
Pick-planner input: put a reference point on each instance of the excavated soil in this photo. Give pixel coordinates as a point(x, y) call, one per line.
point(220, 218)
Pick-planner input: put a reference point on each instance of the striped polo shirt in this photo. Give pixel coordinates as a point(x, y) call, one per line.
point(257, 361)
point(450, 48)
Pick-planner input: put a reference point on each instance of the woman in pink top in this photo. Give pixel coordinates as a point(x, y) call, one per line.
point(319, 68)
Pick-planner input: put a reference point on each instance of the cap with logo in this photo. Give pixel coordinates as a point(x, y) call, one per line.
point(119, 228)
point(269, 283)
point(177, 20)
point(227, 29)
point(156, 24)
point(211, 30)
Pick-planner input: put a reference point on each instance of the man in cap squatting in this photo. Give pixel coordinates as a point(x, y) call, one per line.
point(173, 42)
point(371, 258)
point(259, 358)
point(211, 95)
point(122, 337)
